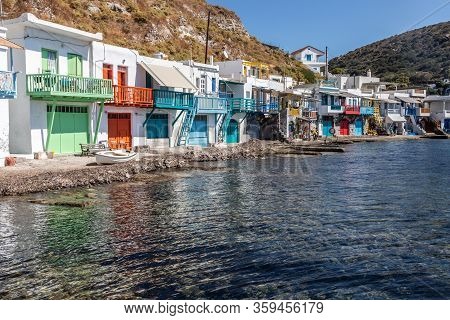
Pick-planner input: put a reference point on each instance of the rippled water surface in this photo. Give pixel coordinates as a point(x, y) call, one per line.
point(372, 223)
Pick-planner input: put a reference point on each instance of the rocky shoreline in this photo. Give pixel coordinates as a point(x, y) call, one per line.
point(65, 175)
point(56, 179)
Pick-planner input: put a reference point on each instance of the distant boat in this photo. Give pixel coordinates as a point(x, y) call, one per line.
point(115, 156)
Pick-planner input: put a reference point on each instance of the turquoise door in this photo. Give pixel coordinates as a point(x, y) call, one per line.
point(199, 131)
point(233, 132)
point(327, 125)
point(158, 126)
point(358, 127)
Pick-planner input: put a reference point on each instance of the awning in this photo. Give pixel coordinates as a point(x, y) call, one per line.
point(408, 100)
point(391, 101)
point(9, 44)
point(168, 76)
point(395, 118)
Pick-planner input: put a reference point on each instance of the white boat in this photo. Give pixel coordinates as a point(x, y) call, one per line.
point(115, 156)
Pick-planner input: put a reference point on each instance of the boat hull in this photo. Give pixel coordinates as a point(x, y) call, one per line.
point(113, 157)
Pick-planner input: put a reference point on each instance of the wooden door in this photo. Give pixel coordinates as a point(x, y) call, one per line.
point(119, 131)
point(107, 71)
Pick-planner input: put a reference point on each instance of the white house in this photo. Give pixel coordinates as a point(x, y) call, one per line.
point(8, 90)
point(59, 109)
point(310, 57)
point(439, 108)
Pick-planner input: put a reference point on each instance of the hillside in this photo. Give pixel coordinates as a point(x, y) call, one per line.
point(175, 27)
point(415, 57)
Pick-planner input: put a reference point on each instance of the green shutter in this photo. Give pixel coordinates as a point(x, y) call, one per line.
point(74, 62)
point(44, 60)
point(49, 61)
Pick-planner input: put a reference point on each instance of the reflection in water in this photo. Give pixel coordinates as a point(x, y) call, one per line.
point(369, 223)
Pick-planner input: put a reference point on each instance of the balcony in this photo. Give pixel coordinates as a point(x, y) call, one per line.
point(330, 109)
point(8, 85)
point(267, 107)
point(211, 105)
point(410, 111)
point(350, 109)
point(125, 96)
point(424, 112)
point(294, 112)
point(242, 105)
point(69, 88)
point(367, 111)
point(166, 99)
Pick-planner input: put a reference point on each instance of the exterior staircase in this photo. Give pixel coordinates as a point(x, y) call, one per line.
point(224, 121)
point(415, 127)
point(183, 137)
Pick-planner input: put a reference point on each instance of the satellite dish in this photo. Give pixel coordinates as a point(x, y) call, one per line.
point(225, 54)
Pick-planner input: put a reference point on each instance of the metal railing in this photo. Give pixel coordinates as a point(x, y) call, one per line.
point(366, 110)
point(351, 109)
point(62, 85)
point(132, 96)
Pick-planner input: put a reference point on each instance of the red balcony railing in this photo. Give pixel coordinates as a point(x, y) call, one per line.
point(132, 96)
point(350, 109)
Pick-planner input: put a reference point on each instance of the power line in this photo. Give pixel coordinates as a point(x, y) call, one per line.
point(428, 15)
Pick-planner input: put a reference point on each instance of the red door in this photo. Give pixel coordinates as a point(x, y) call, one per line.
point(119, 131)
point(345, 127)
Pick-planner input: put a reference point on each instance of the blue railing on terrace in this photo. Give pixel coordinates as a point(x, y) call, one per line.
point(172, 99)
point(242, 104)
point(45, 85)
point(410, 111)
point(367, 110)
point(211, 104)
point(267, 107)
point(8, 84)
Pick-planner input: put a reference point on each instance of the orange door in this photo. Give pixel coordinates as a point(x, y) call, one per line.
point(107, 72)
point(119, 131)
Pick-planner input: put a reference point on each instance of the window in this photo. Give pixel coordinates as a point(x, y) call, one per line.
point(158, 126)
point(324, 99)
point(49, 61)
point(309, 57)
point(75, 65)
point(107, 71)
point(213, 84)
point(203, 84)
point(248, 94)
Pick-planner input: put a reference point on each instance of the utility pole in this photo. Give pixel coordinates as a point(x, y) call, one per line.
point(326, 63)
point(207, 37)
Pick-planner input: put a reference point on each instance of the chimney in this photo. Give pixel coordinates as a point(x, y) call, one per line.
point(211, 60)
point(369, 73)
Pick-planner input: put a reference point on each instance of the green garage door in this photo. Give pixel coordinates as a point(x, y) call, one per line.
point(70, 128)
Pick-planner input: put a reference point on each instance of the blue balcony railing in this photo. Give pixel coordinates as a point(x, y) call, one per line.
point(242, 105)
point(410, 111)
point(267, 107)
point(368, 111)
point(166, 99)
point(8, 85)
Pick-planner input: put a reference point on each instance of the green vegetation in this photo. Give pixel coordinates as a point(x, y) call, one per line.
point(416, 57)
point(175, 27)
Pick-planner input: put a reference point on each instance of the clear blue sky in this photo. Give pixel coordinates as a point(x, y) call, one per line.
point(342, 25)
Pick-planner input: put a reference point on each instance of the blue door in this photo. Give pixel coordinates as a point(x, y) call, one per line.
point(447, 125)
point(233, 132)
point(358, 127)
point(158, 126)
point(198, 135)
point(327, 125)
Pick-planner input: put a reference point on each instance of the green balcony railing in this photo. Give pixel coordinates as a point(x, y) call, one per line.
point(166, 99)
point(211, 104)
point(70, 87)
point(242, 105)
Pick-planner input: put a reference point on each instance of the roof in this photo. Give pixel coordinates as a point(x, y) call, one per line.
point(167, 76)
point(319, 52)
point(436, 98)
point(30, 20)
point(9, 44)
point(408, 100)
point(390, 101)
